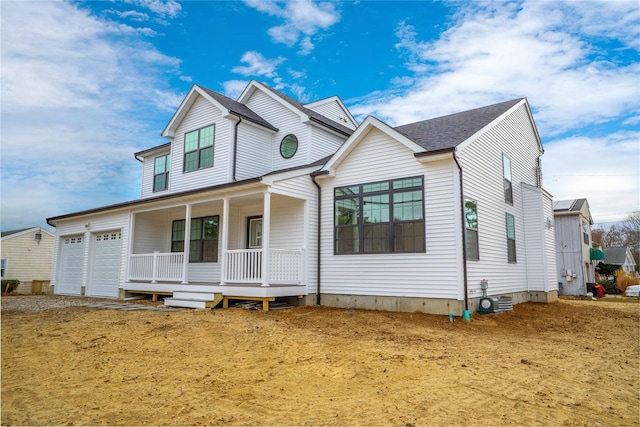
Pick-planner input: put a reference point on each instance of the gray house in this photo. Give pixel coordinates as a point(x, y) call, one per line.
point(622, 256)
point(573, 246)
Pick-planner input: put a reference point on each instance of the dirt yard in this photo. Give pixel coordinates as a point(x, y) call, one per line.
point(567, 363)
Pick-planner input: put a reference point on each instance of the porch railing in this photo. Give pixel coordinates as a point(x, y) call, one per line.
point(245, 266)
point(156, 266)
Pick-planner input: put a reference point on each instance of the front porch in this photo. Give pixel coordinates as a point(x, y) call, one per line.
point(228, 251)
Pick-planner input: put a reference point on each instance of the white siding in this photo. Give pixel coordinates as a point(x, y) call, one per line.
point(254, 152)
point(481, 161)
point(434, 274)
point(147, 174)
point(333, 111)
point(539, 239)
point(287, 122)
point(152, 232)
point(201, 114)
point(324, 143)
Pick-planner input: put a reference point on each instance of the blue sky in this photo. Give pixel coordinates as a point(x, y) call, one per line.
point(87, 84)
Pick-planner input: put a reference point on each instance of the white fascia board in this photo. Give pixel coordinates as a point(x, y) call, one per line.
point(339, 102)
point(497, 120)
point(27, 231)
point(360, 133)
point(282, 176)
point(254, 85)
point(235, 119)
point(187, 102)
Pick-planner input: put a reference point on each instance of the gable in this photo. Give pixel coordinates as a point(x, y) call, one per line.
point(225, 105)
point(334, 109)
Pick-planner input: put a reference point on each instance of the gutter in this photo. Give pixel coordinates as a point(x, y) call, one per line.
point(318, 261)
point(235, 148)
point(464, 240)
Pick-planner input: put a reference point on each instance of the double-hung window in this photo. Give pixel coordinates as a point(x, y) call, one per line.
point(508, 188)
point(380, 217)
point(161, 173)
point(471, 229)
point(198, 149)
point(511, 238)
point(585, 232)
point(203, 241)
point(3, 268)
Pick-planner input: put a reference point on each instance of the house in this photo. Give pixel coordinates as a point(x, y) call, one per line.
point(622, 256)
point(27, 256)
point(575, 257)
point(284, 199)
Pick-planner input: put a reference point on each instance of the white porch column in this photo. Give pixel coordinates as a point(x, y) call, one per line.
point(266, 247)
point(225, 240)
point(187, 245)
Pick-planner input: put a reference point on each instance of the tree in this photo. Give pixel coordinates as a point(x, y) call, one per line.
point(624, 233)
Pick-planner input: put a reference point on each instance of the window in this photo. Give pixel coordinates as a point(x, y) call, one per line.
point(161, 173)
point(585, 232)
point(3, 268)
point(471, 229)
point(198, 149)
point(204, 238)
point(288, 146)
point(380, 217)
point(508, 188)
point(511, 238)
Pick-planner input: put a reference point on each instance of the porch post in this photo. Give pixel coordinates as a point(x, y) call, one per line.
point(187, 245)
point(225, 240)
point(266, 250)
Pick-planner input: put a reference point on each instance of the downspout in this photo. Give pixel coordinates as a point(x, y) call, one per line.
point(464, 240)
point(235, 148)
point(318, 264)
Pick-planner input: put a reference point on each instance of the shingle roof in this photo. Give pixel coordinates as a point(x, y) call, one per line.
point(238, 108)
point(9, 233)
point(573, 205)
point(313, 115)
point(449, 131)
point(616, 255)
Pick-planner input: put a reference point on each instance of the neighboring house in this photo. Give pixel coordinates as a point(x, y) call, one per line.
point(283, 199)
point(575, 257)
point(622, 256)
point(26, 255)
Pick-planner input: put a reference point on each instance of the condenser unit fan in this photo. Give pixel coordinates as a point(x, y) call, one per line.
point(488, 305)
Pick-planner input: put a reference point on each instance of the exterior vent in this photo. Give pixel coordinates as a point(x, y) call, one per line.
point(37, 237)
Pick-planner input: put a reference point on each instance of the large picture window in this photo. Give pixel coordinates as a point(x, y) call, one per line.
point(198, 149)
point(471, 229)
point(161, 173)
point(204, 238)
point(508, 188)
point(511, 238)
point(380, 217)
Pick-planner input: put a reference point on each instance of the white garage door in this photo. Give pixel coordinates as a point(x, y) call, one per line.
point(71, 261)
point(105, 264)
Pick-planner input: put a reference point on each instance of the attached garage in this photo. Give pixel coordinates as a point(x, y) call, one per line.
point(105, 263)
point(71, 265)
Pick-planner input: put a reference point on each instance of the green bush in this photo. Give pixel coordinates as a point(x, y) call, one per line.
point(9, 285)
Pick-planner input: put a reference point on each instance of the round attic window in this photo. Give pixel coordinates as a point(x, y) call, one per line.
point(288, 146)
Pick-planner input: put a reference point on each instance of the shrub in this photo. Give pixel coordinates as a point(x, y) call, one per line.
point(624, 280)
point(9, 285)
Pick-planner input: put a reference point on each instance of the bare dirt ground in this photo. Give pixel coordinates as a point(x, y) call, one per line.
point(567, 363)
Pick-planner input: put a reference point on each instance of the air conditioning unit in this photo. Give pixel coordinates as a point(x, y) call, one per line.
point(489, 305)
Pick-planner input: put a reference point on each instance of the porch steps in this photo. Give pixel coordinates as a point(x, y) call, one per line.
point(194, 299)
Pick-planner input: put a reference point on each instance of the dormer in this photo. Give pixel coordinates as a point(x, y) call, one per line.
point(334, 109)
point(156, 164)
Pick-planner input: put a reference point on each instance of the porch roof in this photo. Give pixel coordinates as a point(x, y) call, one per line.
point(138, 202)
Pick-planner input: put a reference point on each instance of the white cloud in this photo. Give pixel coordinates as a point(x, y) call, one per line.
point(233, 88)
point(133, 15)
point(497, 51)
point(604, 170)
point(302, 20)
point(74, 90)
point(169, 8)
point(257, 65)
